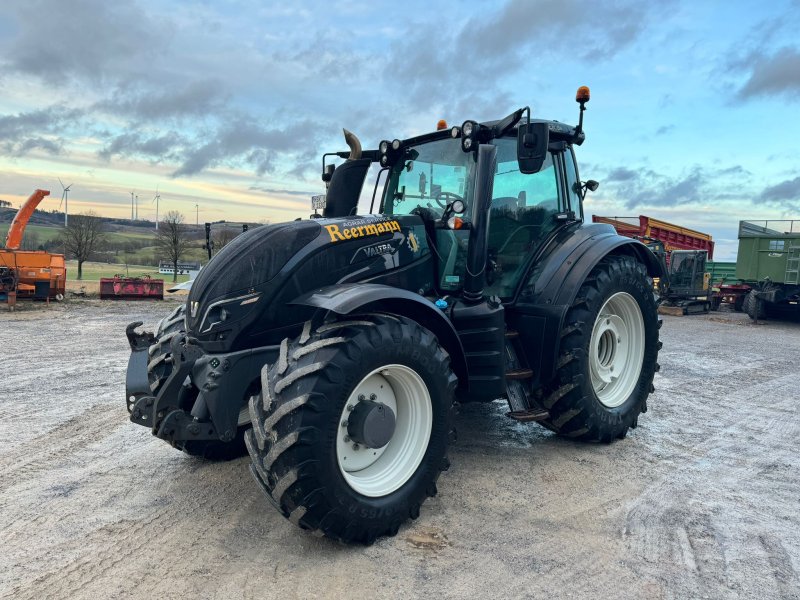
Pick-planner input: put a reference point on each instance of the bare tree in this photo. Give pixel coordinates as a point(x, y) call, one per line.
point(222, 236)
point(83, 236)
point(172, 239)
point(30, 241)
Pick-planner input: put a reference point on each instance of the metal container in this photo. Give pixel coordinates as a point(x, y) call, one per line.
point(769, 250)
point(674, 237)
point(131, 288)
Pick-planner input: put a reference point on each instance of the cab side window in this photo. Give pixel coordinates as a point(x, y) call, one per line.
point(573, 184)
point(521, 216)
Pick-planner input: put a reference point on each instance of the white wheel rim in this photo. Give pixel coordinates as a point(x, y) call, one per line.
point(616, 349)
point(377, 472)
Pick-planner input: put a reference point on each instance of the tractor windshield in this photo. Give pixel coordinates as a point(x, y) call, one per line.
point(439, 173)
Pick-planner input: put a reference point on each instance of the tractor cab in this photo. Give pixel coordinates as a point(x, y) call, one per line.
point(436, 179)
point(533, 184)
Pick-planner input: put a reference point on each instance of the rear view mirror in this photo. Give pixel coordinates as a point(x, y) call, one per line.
point(532, 141)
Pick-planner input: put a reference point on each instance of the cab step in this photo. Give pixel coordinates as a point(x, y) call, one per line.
point(523, 407)
point(530, 415)
point(516, 374)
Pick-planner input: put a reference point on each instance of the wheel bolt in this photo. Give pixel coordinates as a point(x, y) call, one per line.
point(346, 440)
point(350, 407)
point(361, 397)
point(356, 446)
point(372, 396)
point(345, 423)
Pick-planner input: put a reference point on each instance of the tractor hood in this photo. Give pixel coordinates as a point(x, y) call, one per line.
point(244, 296)
point(241, 268)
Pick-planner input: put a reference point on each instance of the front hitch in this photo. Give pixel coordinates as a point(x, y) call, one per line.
point(137, 384)
point(152, 411)
point(139, 341)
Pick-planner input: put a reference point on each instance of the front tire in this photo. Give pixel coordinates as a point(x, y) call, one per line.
point(608, 354)
point(303, 436)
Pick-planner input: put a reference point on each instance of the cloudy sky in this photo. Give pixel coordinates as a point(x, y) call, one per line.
point(230, 104)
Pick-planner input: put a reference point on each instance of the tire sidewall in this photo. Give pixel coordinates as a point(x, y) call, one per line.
point(346, 368)
point(632, 282)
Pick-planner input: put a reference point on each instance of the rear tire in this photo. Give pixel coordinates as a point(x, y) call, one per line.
point(738, 303)
point(753, 306)
point(607, 354)
point(158, 370)
point(298, 443)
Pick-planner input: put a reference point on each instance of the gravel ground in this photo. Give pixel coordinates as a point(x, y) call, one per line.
point(701, 501)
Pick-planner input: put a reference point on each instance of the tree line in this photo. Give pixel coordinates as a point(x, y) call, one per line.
point(85, 237)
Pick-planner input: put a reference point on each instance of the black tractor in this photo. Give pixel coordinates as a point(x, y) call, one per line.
point(335, 348)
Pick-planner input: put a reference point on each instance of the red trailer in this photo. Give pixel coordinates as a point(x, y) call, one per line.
point(674, 237)
point(131, 288)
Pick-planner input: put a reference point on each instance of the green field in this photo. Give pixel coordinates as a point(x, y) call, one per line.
point(46, 233)
point(116, 240)
point(93, 271)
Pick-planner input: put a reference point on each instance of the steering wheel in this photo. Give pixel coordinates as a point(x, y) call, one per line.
point(444, 205)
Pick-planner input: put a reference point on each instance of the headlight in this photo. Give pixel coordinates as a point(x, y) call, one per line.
point(227, 310)
point(467, 128)
point(384, 160)
point(396, 145)
point(384, 147)
point(455, 132)
point(466, 143)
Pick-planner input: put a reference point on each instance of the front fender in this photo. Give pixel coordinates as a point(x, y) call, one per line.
point(344, 299)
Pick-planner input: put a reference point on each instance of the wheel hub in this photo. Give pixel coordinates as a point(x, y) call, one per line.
point(371, 424)
point(611, 335)
point(616, 349)
point(384, 430)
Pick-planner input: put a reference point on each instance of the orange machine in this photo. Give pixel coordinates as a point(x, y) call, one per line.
point(30, 274)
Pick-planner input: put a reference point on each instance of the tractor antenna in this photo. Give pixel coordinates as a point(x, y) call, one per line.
point(132, 201)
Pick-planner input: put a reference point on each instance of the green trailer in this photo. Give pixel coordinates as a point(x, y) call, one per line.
point(769, 257)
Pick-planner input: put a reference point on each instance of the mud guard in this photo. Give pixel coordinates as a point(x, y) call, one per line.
point(544, 300)
point(347, 298)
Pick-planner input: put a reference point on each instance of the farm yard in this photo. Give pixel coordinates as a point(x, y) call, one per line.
point(701, 500)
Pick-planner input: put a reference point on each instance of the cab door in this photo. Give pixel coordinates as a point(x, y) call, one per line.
point(523, 214)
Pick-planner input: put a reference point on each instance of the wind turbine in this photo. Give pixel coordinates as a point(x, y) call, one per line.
point(64, 200)
point(156, 199)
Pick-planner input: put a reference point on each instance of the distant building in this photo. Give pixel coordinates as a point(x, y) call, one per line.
point(165, 268)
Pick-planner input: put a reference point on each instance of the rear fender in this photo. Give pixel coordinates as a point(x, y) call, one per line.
point(564, 270)
point(544, 302)
point(345, 299)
